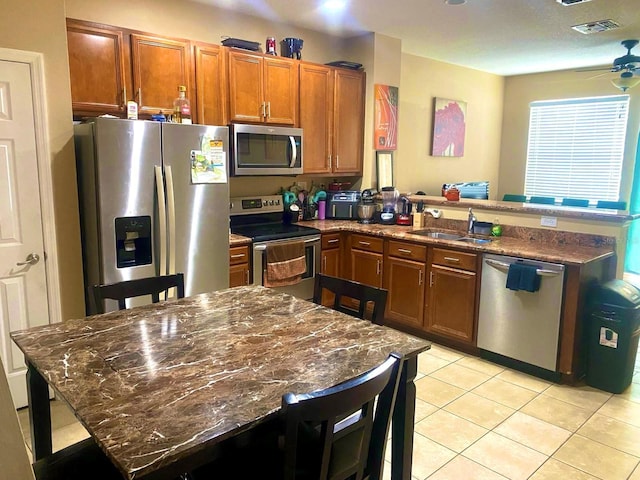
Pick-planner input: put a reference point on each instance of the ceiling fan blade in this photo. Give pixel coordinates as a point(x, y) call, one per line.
point(595, 69)
point(598, 76)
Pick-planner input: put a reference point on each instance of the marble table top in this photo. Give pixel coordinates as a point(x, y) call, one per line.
point(158, 383)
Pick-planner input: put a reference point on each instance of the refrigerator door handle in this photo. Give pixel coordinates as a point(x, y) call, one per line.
point(162, 220)
point(171, 216)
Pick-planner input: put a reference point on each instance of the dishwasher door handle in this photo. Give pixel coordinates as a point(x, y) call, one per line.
point(504, 267)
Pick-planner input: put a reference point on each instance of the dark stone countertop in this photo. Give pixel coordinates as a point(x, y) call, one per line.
point(162, 382)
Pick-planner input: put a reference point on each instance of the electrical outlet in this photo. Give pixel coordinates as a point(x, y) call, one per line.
point(549, 221)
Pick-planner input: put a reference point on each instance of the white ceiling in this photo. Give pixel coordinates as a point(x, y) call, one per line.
point(504, 37)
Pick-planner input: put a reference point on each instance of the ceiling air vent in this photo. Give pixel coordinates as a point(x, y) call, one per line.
point(596, 27)
point(566, 3)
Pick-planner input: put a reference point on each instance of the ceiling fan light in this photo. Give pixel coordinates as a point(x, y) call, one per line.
point(625, 82)
point(455, 2)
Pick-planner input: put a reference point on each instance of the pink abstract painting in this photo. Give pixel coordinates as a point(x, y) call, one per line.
point(448, 128)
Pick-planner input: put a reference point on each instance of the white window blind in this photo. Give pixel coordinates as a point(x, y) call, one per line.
point(576, 147)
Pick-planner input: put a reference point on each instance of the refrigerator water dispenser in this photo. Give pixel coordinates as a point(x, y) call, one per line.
point(133, 241)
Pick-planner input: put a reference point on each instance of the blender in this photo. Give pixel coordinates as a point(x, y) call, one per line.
point(389, 203)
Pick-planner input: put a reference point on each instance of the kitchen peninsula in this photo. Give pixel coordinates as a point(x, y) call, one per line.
point(394, 257)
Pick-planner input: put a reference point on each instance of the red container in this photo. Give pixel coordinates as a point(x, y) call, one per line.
point(271, 46)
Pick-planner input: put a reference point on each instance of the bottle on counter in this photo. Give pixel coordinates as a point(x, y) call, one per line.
point(496, 229)
point(132, 110)
point(182, 107)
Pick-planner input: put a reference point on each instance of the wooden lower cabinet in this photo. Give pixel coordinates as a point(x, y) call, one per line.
point(365, 260)
point(330, 263)
point(452, 294)
point(404, 274)
point(239, 266)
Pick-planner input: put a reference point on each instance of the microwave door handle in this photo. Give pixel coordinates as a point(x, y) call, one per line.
point(294, 152)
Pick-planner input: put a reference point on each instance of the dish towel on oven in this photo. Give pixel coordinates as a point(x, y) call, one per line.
point(286, 264)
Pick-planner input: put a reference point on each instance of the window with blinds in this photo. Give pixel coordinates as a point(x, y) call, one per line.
point(576, 148)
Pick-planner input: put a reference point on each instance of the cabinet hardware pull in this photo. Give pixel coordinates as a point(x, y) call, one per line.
point(404, 250)
point(238, 255)
point(124, 96)
point(268, 110)
point(329, 162)
point(431, 279)
point(378, 267)
point(420, 277)
point(264, 110)
point(364, 243)
point(452, 259)
point(324, 263)
point(333, 240)
point(337, 162)
point(140, 97)
point(246, 272)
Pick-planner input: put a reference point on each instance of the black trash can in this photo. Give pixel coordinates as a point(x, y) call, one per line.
point(613, 332)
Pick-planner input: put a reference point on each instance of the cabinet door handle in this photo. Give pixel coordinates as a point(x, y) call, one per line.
point(452, 259)
point(366, 244)
point(124, 96)
point(378, 267)
point(263, 112)
point(329, 162)
point(420, 277)
point(404, 250)
point(140, 96)
point(238, 255)
point(246, 273)
point(333, 240)
point(268, 110)
point(324, 263)
point(337, 162)
point(431, 279)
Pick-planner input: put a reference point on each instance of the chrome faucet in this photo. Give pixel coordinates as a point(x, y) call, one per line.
point(471, 219)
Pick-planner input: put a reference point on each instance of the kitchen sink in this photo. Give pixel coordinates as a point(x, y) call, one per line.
point(450, 235)
point(437, 234)
point(473, 240)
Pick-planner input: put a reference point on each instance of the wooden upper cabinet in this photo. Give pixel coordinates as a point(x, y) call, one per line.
point(262, 89)
point(97, 59)
point(159, 66)
point(349, 121)
point(316, 116)
point(211, 84)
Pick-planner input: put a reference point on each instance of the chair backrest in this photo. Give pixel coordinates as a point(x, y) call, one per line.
point(345, 289)
point(611, 205)
point(120, 291)
point(575, 202)
point(545, 200)
point(512, 197)
point(340, 432)
point(13, 451)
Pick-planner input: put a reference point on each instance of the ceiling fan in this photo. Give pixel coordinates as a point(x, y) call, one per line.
point(628, 64)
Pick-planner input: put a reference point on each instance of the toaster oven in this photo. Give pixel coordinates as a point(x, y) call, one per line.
point(343, 205)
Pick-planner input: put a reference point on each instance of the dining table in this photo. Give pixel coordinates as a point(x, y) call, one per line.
point(160, 386)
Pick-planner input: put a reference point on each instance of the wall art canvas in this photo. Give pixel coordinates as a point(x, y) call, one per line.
point(385, 133)
point(449, 121)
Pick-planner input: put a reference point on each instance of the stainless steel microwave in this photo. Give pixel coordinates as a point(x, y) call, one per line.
point(266, 150)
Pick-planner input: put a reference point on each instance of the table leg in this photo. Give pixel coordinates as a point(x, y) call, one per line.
point(403, 418)
point(39, 414)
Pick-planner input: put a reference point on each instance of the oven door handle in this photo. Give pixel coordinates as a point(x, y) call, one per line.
point(264, 246)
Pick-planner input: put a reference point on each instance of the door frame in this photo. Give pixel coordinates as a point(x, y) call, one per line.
point(35, 61)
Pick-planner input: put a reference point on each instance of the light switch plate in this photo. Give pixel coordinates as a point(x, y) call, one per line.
point(549, 221)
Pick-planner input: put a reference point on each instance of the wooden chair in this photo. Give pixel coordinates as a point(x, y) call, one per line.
point(345, 289)
point(544, 200)
point(575, 202)
point(340, 432)
point(82, 460)
point(120, 291)
point(611, 205)
point(512, 197)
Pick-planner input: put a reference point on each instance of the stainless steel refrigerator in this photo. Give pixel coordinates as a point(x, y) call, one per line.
point(154, 200)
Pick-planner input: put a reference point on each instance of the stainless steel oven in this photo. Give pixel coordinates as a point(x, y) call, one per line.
point(302, 289)
point(261, 219)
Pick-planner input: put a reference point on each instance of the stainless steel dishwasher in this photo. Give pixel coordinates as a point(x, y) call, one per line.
point(519, 324)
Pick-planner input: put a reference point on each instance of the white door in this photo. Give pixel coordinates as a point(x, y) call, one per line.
point(23, 287)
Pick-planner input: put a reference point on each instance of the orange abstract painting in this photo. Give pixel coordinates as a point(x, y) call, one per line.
point(385, 134)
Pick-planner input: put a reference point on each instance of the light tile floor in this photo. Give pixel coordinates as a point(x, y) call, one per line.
point(479, 420)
